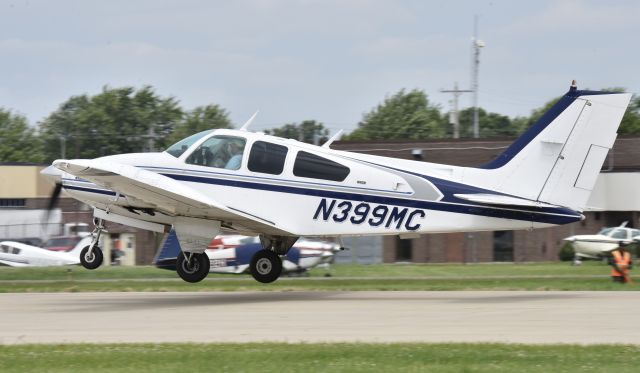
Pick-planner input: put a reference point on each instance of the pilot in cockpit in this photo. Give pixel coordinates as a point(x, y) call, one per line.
point(235, 156)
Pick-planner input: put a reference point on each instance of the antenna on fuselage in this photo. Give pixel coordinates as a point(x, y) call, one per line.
point(248, 123)
point(332, 139)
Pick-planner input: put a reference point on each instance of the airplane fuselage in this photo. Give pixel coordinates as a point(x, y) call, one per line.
point(398, 197)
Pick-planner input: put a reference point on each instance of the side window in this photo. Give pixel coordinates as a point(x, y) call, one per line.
point(220, 152)
point(313, 166)
point(619, 234)
point(267, 158)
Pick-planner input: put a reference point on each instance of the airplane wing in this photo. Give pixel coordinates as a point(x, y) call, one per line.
point(498, 199)
point(164, 194)
point(13, 264)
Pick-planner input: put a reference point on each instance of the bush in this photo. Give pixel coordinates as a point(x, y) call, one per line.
point(566, 252)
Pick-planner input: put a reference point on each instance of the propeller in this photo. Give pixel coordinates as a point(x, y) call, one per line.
point(55, 176)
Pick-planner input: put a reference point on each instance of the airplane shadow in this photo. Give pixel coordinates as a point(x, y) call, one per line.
point(183, 300)
point(144, 301)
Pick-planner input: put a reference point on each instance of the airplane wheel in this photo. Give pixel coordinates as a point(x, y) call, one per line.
point(91, 260)
point(266, 266)
point(194, 271)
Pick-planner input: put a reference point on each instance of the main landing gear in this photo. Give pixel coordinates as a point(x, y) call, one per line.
point(91, 256)
point(266, 266)
point(192, 267)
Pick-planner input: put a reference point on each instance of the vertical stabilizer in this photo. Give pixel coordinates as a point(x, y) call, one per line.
point(557, 160)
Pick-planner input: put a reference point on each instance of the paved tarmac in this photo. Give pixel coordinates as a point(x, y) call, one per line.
point(367, 316)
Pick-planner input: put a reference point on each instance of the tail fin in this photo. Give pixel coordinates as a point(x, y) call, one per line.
point(557, 160)
point(168, 253)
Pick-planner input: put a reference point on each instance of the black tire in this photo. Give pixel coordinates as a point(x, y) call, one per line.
point(91, 260)
point(194, 271)
point(266, 266)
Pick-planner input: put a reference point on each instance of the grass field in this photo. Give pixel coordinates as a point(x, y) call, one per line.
point(339, 357)
point(533, 276)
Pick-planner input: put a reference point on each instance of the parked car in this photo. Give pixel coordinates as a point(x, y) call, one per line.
point(62, 243)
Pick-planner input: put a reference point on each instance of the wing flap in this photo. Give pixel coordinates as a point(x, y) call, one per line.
point(498, 199)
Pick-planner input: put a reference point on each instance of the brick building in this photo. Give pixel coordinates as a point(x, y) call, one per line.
point(616, 194)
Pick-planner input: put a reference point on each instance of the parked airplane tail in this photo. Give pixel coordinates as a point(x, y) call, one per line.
point(557, 160)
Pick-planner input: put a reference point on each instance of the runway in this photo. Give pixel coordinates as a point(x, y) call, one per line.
point(367, 316)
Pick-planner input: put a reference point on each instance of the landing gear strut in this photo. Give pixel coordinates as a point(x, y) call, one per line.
point(91, 256)
point(192, 267)
point(266, 266)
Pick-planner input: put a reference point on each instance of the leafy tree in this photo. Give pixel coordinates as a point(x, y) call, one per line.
point(631, 119)
point(309, 131)
point(117, 120)
point(491, 124)
point(200, 119)
point(18, 142)
point(405, 115)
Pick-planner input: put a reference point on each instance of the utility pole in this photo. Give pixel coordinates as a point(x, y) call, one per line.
point(454, 116)
point(152, 137)
point(476, 45)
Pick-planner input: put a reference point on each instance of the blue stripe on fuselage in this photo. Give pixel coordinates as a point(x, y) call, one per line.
point(542, 215)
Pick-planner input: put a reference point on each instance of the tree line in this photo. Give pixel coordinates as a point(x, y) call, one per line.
point(128, 120)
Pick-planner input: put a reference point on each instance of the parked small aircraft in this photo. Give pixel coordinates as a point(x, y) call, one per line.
point(254, 184)
point(16, 254)
point(234, 255)
point(600, 245)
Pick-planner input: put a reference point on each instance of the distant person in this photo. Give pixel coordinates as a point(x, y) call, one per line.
point(620, 262)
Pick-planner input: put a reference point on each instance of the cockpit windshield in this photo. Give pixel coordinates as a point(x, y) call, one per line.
point(605, 231)
point(220, 152)
point(181, 146)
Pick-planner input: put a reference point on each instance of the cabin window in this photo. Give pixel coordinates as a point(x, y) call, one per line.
point(619, 234)
point(4, 248)
point(219, 152)
point(267, 158)
point(315, 167)
point(181, 146)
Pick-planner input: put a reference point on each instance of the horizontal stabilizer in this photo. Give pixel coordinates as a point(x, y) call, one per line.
point(498, 199)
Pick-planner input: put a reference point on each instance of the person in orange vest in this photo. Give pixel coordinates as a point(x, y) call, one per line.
point(620, 262)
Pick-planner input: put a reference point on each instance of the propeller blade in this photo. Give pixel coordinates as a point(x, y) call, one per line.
point(53, 200)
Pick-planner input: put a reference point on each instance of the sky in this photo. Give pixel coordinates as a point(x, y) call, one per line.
point(326, 60)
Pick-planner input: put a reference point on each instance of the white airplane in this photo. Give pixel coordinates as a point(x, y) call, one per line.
point(233, 254)
point(249, 183)
point(16, 254)
point(600, 245)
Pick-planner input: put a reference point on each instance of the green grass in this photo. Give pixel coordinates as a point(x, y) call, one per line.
point(335, 357)
point(534, 276)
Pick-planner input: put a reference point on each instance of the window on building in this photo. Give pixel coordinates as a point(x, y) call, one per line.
point(12, 202)
point(403, 250)
point(503, 246)
point(219, 152)
point(315, 167)
point(267, 158)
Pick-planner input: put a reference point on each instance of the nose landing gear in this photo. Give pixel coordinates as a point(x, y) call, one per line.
point(91, 256)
